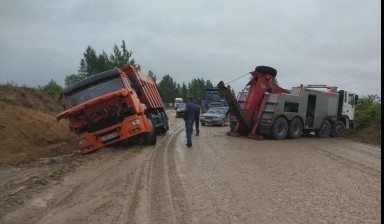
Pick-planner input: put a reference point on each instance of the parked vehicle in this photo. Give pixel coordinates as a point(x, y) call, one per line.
point(212, 98)
point(178, 101)
point(273, 111)
point(215, 116)
point(180, 110)
point(113, 106)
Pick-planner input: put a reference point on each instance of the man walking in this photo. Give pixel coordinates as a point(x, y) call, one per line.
point(191, 111)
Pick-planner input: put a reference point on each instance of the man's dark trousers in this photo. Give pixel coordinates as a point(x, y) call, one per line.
point(189, 129)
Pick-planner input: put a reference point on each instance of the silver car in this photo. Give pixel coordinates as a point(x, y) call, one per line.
point(215, 116)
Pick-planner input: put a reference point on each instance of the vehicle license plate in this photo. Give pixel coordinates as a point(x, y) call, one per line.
point(109, 136)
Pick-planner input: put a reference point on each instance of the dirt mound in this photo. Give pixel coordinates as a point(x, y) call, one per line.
point(370, 134)
point(31, 98)
point(28, 127)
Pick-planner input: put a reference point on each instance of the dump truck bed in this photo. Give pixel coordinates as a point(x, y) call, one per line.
point(145, 88)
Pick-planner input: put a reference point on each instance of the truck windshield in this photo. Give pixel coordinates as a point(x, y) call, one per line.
point(213, 97)
point(93, 91)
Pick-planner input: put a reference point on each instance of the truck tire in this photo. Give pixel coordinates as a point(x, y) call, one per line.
point(266, 70)
point(150, 137)
point(164, 124)
point(325, 129)
point(338, 129)
point(165, 121)
point(295, 128)
point(279, 128)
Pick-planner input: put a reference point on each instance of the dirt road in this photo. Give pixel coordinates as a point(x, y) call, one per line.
point(221, 179)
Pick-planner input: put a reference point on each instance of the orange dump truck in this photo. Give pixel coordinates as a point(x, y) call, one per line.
point(113, 106)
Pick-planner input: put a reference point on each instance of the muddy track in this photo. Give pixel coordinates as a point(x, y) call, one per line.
point(220, 179)
point(168, 202)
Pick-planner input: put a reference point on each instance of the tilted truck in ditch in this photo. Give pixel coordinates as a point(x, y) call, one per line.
point(270, 110)
point(113, 106)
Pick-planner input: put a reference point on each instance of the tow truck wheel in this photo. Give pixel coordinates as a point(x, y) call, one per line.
point(150, 137)
point(338, 129)
point(280, 128)
point(325, 129)
point(295, 128)
point(266, 70)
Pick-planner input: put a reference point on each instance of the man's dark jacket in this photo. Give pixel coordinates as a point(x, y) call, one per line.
point(191, 111)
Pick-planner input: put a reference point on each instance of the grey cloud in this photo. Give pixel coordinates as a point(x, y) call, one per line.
point(330, 42)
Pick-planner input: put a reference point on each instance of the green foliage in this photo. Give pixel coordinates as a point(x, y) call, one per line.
point(367, 111)
point(152, 75)
point(11, 84)
point(231, 90)
point(92, 63)
point(184, 91)
point(196, 88)
point(51, 87)
point(167, 89)
point(72, 78)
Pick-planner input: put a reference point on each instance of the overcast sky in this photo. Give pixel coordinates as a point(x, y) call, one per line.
point(333, 42)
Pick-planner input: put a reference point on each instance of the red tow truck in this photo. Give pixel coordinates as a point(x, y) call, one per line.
point(269, 110)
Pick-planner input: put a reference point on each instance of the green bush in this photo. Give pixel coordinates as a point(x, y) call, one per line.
point(367, 111)
point(51, 87)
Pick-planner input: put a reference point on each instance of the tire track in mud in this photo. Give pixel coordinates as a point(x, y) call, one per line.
point(168, 200)
point(127, 214)
point(347, 162)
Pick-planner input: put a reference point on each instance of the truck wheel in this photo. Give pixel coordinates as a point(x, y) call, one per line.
point(338, 129)
point(165, 121)
point(295, 128)
point(203, 124)
point(325, 129)
point(266, 70)
point(164, 124)
point(150, 137)
point(280, 128)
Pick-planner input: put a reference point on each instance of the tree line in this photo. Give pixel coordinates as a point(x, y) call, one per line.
point(93, 63)
point(367, 111)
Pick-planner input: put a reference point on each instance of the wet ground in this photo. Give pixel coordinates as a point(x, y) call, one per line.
point(220, 179)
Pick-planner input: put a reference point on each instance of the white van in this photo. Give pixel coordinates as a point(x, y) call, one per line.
point(178, 101)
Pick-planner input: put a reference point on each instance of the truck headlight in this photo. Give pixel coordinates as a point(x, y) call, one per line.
point(135, 122)
point(82, 141)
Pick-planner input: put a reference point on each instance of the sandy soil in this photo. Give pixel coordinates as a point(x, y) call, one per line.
point(221, 179)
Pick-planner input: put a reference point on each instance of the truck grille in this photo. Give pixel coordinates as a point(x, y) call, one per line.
point(92, 127)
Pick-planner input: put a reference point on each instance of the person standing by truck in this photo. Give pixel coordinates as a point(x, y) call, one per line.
point(191, 111)
point(197, 120)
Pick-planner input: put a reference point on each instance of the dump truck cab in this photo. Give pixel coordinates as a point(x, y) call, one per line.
point(113, 106)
